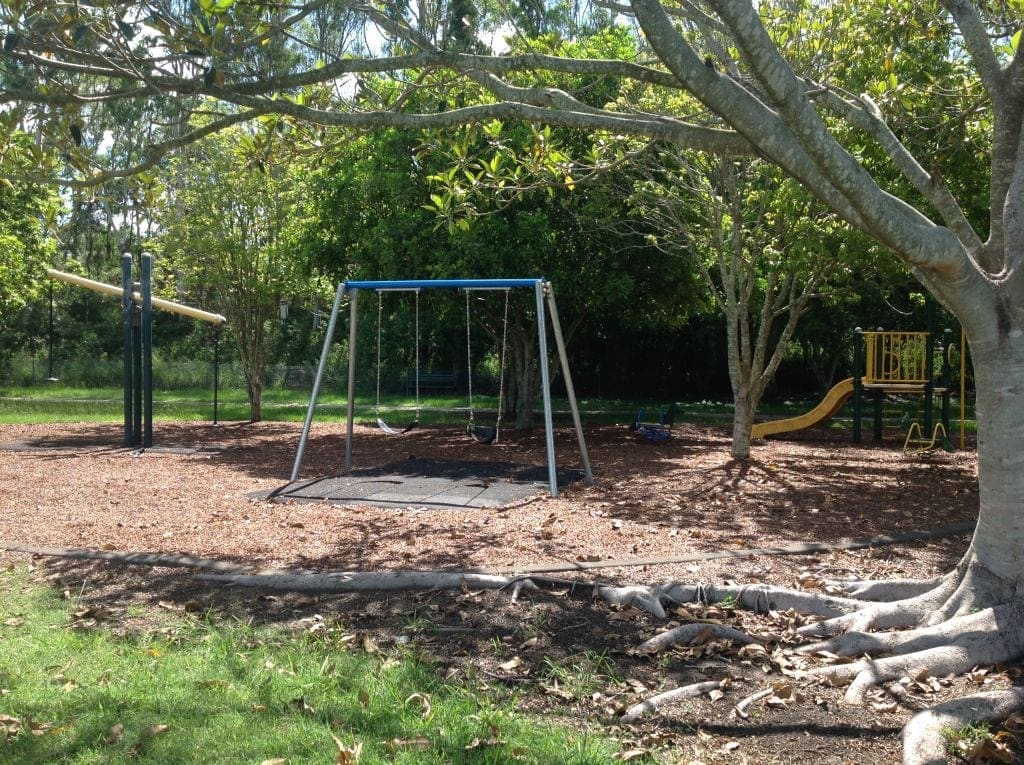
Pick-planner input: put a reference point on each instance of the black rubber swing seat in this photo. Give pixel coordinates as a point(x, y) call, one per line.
point(396, 431)
point(482, 434)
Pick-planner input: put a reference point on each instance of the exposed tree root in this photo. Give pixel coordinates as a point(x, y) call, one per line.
point(923, 739)
point(740, 710)
point(906, 641)
point(939, 627)
point(883, 615)
point(688, 634)
point(886, 589)
point(757, 598)
point(655, 703)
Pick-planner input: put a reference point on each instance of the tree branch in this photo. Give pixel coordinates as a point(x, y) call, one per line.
point(154, 155)
point(896, 224)
point(727, 98)
point(662, 128)
point(972, 27)
point(869, 119)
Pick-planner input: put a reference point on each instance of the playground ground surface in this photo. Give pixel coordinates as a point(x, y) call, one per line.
point(74, 486)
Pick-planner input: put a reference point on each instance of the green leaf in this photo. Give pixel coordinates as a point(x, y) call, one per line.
point(1015, 40)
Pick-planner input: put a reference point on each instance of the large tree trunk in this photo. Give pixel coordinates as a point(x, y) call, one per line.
point(743, 421)
point(998, 543)
point(254, 391)
point(522, 383)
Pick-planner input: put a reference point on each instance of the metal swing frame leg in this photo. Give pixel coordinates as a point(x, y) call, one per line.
point(541, 289)
point(328, 339)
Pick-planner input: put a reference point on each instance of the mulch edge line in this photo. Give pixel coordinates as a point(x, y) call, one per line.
point(212, 564)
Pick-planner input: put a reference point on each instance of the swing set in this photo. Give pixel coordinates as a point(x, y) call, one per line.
point(483, 434)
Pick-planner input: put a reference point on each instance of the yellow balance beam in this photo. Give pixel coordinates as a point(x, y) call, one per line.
point(110, 289)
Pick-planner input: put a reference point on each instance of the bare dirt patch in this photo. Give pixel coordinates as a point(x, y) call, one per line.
point(72, 486)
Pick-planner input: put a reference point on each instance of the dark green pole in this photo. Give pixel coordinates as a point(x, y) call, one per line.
point(126, 319)
point(49, 342)
point(929, 386)
point(947, 377)
point(147, 349)
point(858, 382)
point(878, 393)
point(136, 370)
point(216, 369)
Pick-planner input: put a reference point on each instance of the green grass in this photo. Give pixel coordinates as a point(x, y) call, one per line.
point(231, 693)
point(27, 405)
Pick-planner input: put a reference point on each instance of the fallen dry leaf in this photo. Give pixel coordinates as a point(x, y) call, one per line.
point(416, 742)
point(423, 702)
point(478, 743)
point(631, 754)
point(347, 755)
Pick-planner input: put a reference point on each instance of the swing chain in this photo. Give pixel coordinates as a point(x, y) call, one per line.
point(417, 352)
point(501, 371)
point(380, 316)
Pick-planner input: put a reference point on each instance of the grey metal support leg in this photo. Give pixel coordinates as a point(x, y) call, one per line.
point(556, 325)
point(351, 403)
point(328, 339)
point(545, 377)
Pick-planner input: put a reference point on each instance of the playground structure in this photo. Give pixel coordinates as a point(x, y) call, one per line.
point(901, 363)
point(545, 306)
point(137, 304)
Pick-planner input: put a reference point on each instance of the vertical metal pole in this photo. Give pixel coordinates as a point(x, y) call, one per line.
point(351, 403)
point(556, 325)
point(878, 394)
point(545, 379)
point(858, 383)
point(126, 320)
point(49, 341)
point(929, 385)
point(963, 389)
point(328, 338)
point(147, 349)
point(880, 373)
point(947, 379)
point(216, 370)
point(136, 371)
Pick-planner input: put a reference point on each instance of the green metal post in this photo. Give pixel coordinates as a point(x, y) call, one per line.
point(947, 378)
point(877, 393)
point(126, 318)
point(147, 349)
point(858, 383)
point(216, 369)
point(136, 371)
point(929, 386)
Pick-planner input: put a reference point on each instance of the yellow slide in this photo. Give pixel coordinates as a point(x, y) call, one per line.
point(829, 405)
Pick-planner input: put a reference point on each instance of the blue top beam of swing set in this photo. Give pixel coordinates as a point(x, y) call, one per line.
point(430, 284)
